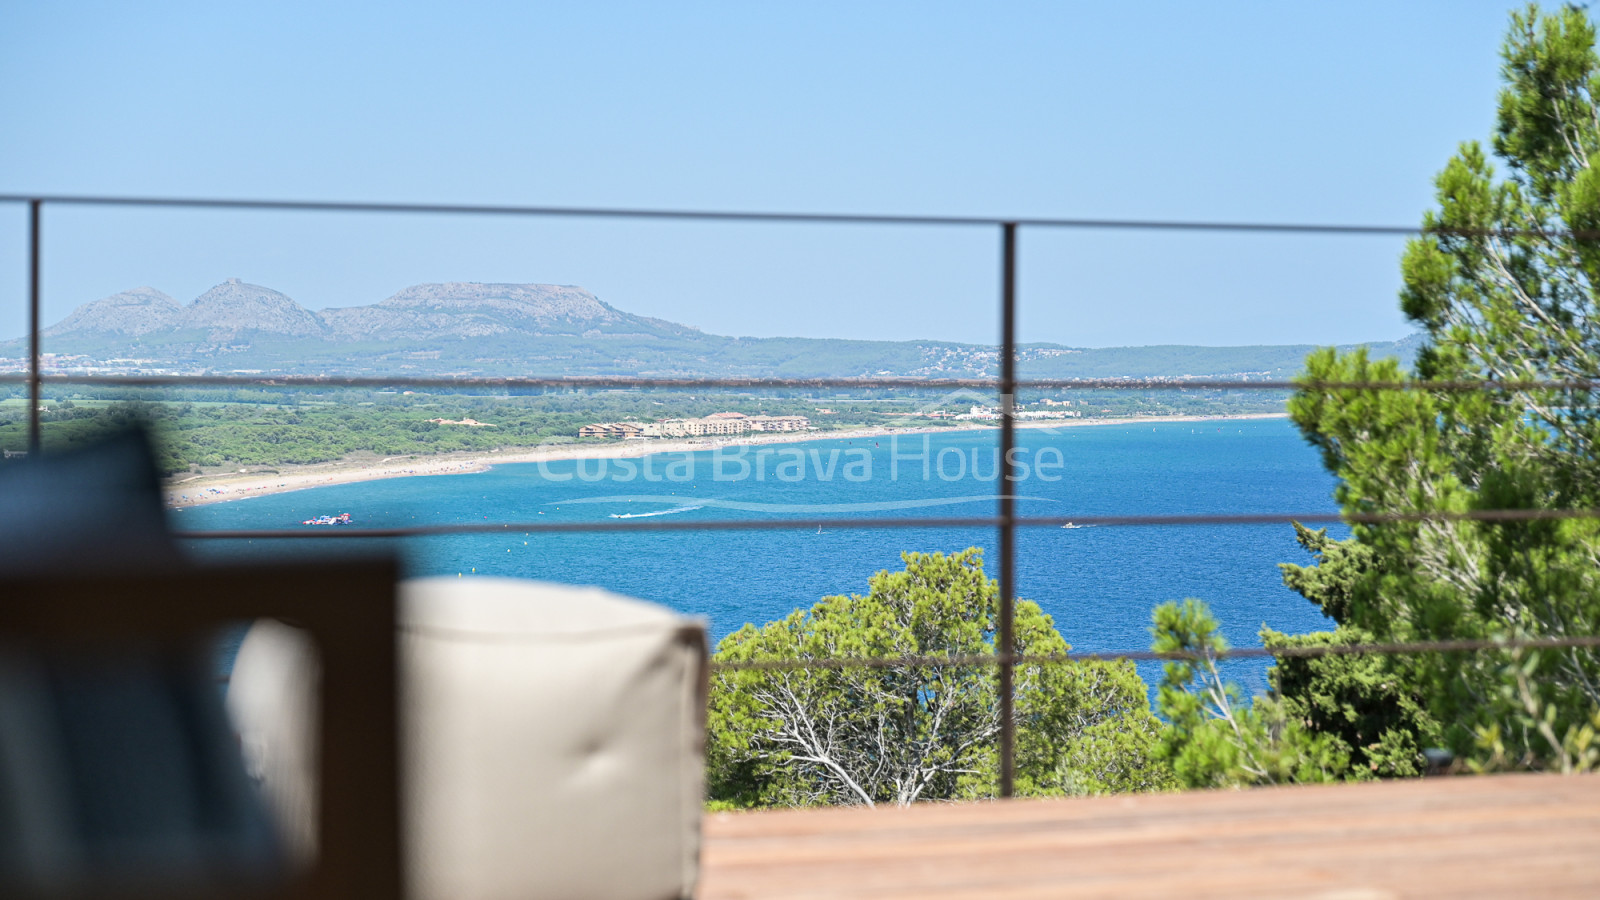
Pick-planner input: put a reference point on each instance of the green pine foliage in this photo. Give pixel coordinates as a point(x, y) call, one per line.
point(901, 733)
point(1370, 704)
point(1212, 737)
point(1503, 283)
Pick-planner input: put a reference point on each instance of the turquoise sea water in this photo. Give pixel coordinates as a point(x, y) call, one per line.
point(1099, 583)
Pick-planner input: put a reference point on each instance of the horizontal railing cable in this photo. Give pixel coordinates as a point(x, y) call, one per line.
point(741, 216)
point(975, 660)
point(748, 216)
point(864, 383)
point(1299, 652)
point(1492, 516)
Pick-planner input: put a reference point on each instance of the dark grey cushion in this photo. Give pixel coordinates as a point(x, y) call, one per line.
point(118, 766)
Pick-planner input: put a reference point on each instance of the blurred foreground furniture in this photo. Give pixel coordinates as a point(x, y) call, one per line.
point(119, 772)
point(552, 739)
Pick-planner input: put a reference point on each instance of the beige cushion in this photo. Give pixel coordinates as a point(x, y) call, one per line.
point(272, 700)
point(552, 739)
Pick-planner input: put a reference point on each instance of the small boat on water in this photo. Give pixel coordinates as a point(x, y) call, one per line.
point(340, 519)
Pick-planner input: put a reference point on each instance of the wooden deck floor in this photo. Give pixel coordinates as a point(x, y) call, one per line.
point(1500, 836)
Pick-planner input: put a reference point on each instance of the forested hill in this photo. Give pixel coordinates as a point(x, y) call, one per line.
point(542, 329)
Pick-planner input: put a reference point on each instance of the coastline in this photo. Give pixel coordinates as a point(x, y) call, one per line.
point(199, 490)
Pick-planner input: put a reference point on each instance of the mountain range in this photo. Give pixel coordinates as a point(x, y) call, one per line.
point(543, 329)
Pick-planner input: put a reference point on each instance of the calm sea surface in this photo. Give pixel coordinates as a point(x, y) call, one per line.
point(1099, 583)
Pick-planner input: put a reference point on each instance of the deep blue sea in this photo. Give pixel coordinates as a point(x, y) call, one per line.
point(1099, 583)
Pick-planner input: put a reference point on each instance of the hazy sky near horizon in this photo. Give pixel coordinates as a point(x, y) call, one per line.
point(1331, 113)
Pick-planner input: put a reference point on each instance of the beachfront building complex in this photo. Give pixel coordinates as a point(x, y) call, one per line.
point(715, 425)
point(779, 423)
point(612, 430)
point(992, 413)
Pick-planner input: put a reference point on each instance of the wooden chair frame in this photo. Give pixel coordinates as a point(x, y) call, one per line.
point(348, 608)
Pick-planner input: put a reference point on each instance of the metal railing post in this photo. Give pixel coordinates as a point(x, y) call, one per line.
point(35, 386)
point(1005, 631)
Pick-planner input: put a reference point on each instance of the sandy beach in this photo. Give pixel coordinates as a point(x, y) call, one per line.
point(195, 490)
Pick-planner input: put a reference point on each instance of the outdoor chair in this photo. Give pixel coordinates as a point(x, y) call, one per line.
point(552, 739)
point(120, 775)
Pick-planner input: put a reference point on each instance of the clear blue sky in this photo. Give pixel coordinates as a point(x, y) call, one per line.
point(1217, 111)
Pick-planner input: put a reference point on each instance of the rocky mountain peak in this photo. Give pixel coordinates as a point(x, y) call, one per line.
point(533, 301)
point(235, 315)
point(236, 308)
point(132, 313)
point(464, 310)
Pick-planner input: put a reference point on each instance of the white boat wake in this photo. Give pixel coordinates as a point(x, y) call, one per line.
point(659, 512)
point(845, 508)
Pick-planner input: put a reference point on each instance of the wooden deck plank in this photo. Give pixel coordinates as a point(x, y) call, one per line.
point(1489, 836)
